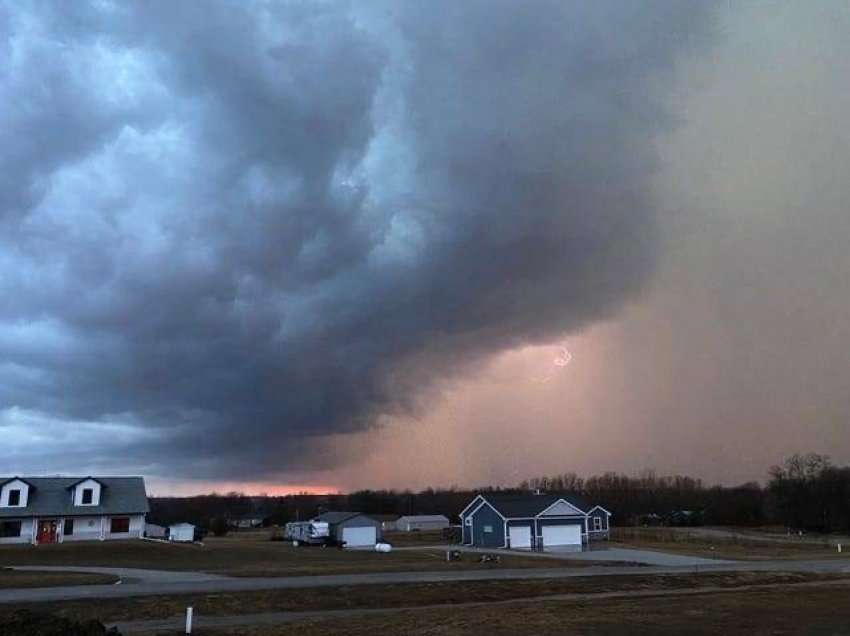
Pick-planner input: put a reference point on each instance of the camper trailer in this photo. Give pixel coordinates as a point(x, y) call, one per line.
point(308, 533)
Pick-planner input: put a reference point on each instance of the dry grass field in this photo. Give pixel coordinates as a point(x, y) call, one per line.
point(252, 554)
point(773, 612)
point(426, 537)
point(14, 579)
point(394, 596)
point(682, 541)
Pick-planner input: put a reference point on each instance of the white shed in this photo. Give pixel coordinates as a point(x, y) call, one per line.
point(181, 532)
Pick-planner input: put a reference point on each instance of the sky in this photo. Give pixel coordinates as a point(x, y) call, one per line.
point(321, 246)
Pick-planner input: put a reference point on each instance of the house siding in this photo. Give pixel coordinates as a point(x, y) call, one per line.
point(486, 516)
point(85, 529)
point(604, 532)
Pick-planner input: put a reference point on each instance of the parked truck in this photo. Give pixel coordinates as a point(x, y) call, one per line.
point(309, 533)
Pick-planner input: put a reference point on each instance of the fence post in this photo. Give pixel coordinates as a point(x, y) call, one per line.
point(188, 620)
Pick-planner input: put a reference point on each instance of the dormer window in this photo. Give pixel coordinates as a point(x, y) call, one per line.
point(15, 493)
point(87, 492)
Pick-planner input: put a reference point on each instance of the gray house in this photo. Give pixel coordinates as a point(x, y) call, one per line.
point(532, 521)
point(352, 529)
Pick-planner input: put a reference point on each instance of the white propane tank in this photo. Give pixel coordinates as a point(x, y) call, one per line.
point(383, 547)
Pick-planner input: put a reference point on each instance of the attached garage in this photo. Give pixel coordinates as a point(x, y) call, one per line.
point(359, 537)
point(520, 537)
point(561, 535)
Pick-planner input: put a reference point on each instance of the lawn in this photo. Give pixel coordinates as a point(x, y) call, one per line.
point(422, 537)
point(821, 611)
point(252, 554)
point(389, 596)
point(681, 541)
point(14, 579)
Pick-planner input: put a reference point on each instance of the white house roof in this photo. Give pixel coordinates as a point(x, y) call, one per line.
point(49, 496)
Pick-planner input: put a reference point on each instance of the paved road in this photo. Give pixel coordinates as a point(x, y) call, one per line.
point(290, 582)
point(276, 618)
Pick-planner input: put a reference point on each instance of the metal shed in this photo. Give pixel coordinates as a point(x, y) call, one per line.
point(412, 523)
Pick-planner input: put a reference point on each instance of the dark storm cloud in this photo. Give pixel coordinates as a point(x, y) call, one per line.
point(227, 227)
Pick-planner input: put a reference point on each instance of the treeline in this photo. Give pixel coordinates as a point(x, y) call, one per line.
point(650, 498)
point(806, 492)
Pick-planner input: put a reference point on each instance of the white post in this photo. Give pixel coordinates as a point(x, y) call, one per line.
point(188, 620)
point(839, 548)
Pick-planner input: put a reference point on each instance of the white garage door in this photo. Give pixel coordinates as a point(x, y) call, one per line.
point(561, 535)
point(359, 536)
point(520, 536)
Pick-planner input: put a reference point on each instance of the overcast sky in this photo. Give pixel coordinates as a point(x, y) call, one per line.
point(276, 245)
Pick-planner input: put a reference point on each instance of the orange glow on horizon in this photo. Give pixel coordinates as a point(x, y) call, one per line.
point(169, 488)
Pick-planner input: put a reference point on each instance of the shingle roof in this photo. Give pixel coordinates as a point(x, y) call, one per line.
point(49, 496)
point(514, 506)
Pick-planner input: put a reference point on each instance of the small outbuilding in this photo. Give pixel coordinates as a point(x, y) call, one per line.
point(413, 523)
point(352, 529)
point(182, 532)
point(155, 531)
point(532, 521)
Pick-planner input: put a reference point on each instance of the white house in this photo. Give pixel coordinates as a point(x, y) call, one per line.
point(183, 532)
point(59, 509)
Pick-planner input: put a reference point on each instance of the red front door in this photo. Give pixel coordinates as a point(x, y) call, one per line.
point(46, 531)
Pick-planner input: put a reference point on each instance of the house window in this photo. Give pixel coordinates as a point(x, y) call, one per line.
point(468, 521)
point(10, 529)
point(15, 497)
point(597, 523)
point(88, 496)
point(68, 528)
point(488, 528)
point(119, 525)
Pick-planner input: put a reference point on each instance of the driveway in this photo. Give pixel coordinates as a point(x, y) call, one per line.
point(645, 557)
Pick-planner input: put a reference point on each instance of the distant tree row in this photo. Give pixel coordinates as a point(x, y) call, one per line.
point(805, 492)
